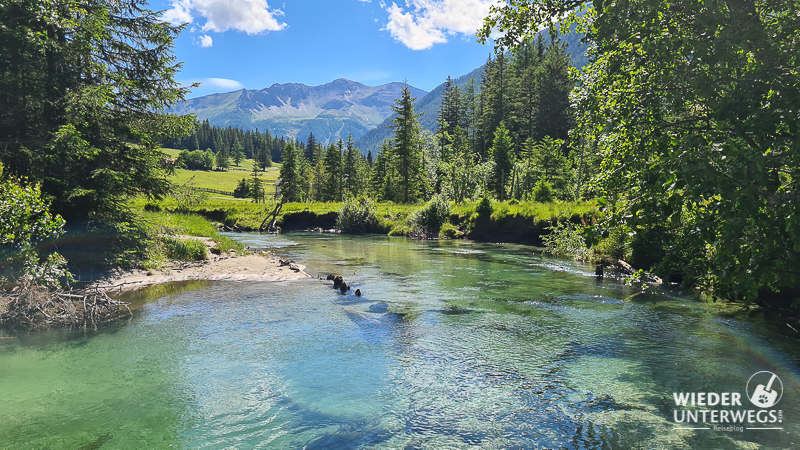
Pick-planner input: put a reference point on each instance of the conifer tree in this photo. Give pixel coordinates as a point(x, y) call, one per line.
point(332, 188)
point(406, 146)
point(502, 155)
point(311, 146)
point(554, 115)
point(351, 168)
point(289, 183)
point(237, 152)
point(256, 188)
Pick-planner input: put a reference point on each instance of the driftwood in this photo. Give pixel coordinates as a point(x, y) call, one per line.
point(30, 305)
point(274, 215)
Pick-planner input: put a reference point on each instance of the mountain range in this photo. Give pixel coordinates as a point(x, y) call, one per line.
point(330, 111)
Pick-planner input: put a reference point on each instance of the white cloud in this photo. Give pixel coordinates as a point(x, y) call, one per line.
point(222, 83)
point(250, 16)
point(427, 22)
point(206, 41)
point(180, 12)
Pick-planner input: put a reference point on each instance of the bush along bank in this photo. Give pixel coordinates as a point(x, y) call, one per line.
point(484, 220)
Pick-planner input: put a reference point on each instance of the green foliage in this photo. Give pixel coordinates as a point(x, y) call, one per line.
point(255, 188)
point(242, 189)
point(152, 206)
point(184, 249)
point(566, 239)
point(223, 160)
point(502, 155)
point(430, 218)
point(186, 196)
point(543, 191)
point(196, 160)
point(48, 273)
point(400, 230)
point(332, 181)
point(615, 244)
point(25, 220)
point(357, 216)
point(290, 185)
point(406, 148)
point(696, 129)
point(85, 88)
point(484, 209)
point(450, 231)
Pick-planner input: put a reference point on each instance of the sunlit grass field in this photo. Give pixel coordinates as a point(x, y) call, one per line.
point(223, 180)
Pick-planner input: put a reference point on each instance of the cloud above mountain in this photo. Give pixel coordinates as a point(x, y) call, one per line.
point(249, 16)
point(423, 23)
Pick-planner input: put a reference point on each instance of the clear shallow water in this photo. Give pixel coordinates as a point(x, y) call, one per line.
point(454, 344)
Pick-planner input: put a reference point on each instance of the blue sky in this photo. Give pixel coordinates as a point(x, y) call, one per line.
point(231, 44)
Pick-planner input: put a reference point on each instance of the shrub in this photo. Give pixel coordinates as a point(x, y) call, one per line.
point(357, 216)
point(450, 231)
point(402, 230)
point(184, 249)
point(484, 209)
point(242, 189)
point(25, 221)
point(430, 218)
point(543, 192)
point(615, 244)
point(566, 239)
point(152, 207)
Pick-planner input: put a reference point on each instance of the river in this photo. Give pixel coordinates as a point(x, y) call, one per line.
point(454, 344)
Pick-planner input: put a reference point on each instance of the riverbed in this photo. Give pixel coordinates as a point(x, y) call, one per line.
point(453, 344)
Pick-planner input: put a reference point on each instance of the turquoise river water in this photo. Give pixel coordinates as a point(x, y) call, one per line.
point(453, 345)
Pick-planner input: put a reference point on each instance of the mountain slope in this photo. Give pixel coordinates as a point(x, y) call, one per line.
point(330, 111)
point(430, 103)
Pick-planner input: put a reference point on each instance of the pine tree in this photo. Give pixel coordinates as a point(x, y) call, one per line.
point(317, 175)
point(223, 160)
point(554, 116)
point(351, 168)
point(502, 155)
point(406, 146)
point(332, 188)
point(237, 152)
point(289, 183)
point(311, 147)
point(256, 188)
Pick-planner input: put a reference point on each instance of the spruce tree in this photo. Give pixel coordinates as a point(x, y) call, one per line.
point(256, 188)
point(502, 155)
point(237, 152)
point(311, 147)
point(331, 190)
point(289, 183)
point(351, 168)
point(406, 146)
point(554, 115)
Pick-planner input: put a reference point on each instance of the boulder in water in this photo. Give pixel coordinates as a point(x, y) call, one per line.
point(358, 292)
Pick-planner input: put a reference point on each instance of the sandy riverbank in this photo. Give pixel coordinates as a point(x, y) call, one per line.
point(257, 266)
